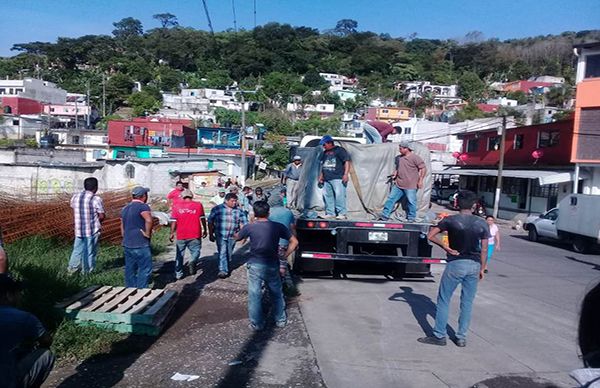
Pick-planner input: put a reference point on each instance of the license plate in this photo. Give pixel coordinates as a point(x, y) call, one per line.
point(378, 236)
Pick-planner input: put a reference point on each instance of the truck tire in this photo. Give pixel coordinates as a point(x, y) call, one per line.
point(580, 244)
point(533, 234)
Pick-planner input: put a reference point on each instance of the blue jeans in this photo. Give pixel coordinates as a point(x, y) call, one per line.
point(465, 273)
point(396, 195)
point(85, 250)
point(334, 196)
point(269, 274)
point(138, 267)
point(194, 245)
point(225, 246)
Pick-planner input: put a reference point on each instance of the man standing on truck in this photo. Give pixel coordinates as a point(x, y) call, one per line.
point(407, 179)
point(335, 166)
point(290, 177)
point(467, 254)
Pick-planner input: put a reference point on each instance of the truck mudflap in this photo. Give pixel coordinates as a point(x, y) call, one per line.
point(372, 258)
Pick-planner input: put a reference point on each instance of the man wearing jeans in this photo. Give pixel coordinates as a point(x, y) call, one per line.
point(136, 229)
point(467, 253)
point(335, 166)
point(263, 265)
point(407, 177)
point(189, 222)
point(88, 212)
point(224, 222)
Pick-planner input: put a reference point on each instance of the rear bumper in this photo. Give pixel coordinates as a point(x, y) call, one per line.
point(368, 258)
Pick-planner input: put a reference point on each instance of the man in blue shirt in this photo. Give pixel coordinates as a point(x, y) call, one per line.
point(263, 264)
point(136, 229)
point(290, 178)
point(25, 360)
point(279, 213)
point(335, 169)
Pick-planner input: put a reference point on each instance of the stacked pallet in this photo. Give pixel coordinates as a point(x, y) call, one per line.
point(126, 310)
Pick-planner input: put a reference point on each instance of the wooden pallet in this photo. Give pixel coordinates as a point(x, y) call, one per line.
point(126, 310)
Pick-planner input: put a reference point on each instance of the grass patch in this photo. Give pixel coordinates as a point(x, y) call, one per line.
point(42, 264)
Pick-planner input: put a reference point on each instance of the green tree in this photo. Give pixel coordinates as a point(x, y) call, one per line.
point(469, 112)
point(275, 151)
point(518, 95)
point(346, 27)
point(218, 79)
point(118, 89)
point(276, 121)
point(166, 19)
point(127, 28)
point(558, 96)
point(313, 80)
point(315, 125)
point(143, 103)
point(470, 86)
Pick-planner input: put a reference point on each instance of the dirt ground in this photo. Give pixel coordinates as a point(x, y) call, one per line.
point(207, 336)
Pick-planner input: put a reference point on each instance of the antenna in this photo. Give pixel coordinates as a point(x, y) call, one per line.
point(234, 18)
point(208, 17)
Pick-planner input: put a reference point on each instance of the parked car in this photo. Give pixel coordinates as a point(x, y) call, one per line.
point(543, 226)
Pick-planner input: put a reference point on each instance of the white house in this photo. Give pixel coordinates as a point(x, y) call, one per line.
point(35, 89)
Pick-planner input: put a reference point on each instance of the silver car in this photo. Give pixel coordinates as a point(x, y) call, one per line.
point(543, 226)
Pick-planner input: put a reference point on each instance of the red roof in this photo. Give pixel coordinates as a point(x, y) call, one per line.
point(488, 108)
point(525, 86)
point(162, 120)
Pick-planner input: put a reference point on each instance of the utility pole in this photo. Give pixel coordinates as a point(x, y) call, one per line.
point(89, 108)
point(500, 168)
point(243, 140)
point(254, 13)
point(76, 115)
point(103, 95)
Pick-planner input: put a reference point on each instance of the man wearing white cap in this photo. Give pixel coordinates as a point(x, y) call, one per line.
point(290, 178)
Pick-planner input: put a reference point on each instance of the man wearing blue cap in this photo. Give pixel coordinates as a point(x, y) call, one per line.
point(335, 166)
point(136, 229)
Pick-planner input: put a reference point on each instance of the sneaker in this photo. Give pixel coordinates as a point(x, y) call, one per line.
point(222, 275)
point(341, 217)
point(328, 217)
point(433, 340)
point(280, 324)
point(72, 271)
point(192, 267)
point(460, 342)
point(382, 218)
point(253, 327)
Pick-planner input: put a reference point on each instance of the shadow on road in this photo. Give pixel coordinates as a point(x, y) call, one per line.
point(422, 307)
point(594, 265)
point(108, 369)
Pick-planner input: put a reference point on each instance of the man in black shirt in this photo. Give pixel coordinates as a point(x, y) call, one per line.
point(335, 167)
point(263, 264)
point(467, 253)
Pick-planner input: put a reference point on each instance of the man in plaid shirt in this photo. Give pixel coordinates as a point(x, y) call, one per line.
point(224, 221)
point(88, 212)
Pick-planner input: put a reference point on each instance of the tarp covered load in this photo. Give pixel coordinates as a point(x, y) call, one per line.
point(369, 185)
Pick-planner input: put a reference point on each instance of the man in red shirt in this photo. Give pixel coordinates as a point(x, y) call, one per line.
point(189, 222)
point(175, 195)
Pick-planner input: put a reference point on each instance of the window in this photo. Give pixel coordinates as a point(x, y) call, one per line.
point(488, 184)
point(2, 91)
point(407, 130)
point(518, 143)
point(130, 171)
point(384, 111)
point(19, 90)
point(15, 122)
point(493, 143)
point(11, 91)
point(51, 109)
point(472, 145)
point(548, 139)
point(75, 139)
point(592, 66)
point(514, 186)
point(545, 191)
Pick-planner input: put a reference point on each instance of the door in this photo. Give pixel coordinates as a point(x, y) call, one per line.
point(546, 226)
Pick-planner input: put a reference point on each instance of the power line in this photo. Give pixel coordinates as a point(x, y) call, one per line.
point(208, 17)
point(234, 18)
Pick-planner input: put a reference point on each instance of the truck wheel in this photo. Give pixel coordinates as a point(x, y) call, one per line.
point(533, 234)
point(580, 245)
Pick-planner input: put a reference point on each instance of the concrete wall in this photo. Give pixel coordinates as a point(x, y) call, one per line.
point(592, 185)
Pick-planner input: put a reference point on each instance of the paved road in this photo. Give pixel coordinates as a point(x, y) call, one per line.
point(364, 329)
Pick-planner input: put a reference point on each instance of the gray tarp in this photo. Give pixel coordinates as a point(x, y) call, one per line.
point(372, 164)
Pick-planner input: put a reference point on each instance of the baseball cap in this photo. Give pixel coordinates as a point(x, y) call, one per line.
point(139, 191)
point(8, 284)
point(405, 144)
point(297, 157)
point(326, 139)
point(187, 194)
point(221, 190)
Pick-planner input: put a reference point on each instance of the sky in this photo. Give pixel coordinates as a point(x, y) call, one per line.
point(43, 20)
